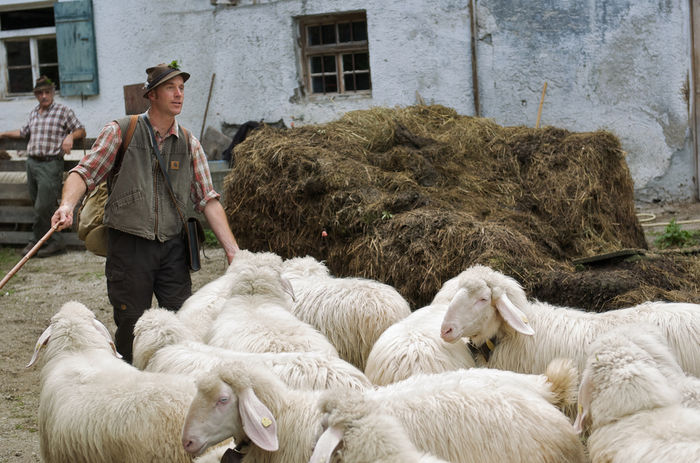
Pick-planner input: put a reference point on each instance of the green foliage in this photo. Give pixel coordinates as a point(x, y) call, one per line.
point(210, 240)
point(674, 236)
point(174, 65)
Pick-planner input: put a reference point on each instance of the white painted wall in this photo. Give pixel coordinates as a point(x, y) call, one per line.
point(619, 65)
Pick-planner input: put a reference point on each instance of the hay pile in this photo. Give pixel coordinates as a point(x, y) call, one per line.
point(412, 196)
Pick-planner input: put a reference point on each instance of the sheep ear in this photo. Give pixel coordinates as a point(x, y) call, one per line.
point(40, 344)
point(105, 332)
point(258, 423)
point(584, 403)
point(513, 315)
point(287, 286)
point(326, 445)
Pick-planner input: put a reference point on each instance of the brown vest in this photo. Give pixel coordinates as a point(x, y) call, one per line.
point(139, 202)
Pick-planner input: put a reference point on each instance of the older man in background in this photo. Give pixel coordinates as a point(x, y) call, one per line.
point(52, 129)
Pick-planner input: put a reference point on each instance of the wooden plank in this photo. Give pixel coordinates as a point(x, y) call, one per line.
point(21, 238)
point(14, 192)
point(16, 214)
point(608, 257)
point(20, 165)
point(20, 144)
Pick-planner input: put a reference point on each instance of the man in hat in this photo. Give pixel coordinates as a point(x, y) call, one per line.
point(146, 253)
point(52, 128)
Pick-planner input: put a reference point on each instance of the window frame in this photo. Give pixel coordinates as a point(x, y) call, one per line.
point(31, 34)
point(306, 52)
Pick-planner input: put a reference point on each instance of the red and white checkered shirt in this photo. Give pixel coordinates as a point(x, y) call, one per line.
point(46, 131)
point(98, 162)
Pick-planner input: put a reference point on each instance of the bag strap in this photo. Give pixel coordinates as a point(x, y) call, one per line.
point(161, 163)
point(126, 139)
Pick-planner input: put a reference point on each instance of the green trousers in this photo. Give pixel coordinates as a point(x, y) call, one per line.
point(45, 180)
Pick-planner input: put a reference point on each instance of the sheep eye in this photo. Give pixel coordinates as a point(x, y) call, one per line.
point(223, 400)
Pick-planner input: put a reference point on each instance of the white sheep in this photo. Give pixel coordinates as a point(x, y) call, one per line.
point(200, 310)
point(633, 407)
point(95, 407)
point(163, 344)
point(471, 415)
point(367, 435)
point(492, 309)
point(258, 318)
point(412, 346)
point(351, 312)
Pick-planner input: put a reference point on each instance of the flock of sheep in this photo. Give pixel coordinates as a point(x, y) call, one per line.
point(278, 361)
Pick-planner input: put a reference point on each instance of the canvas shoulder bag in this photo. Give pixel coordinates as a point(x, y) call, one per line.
point(91, 229)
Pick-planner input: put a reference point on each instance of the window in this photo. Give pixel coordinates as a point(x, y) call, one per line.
point(335, 53)
point(28, 40)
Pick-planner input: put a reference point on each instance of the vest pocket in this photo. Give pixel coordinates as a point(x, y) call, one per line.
point(130, 197)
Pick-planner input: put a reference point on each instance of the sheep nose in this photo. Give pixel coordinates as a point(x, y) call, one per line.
point(445, 333)
point(187, 444)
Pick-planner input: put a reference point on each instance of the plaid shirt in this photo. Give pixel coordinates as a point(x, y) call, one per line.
point(98, 162)
point(46, 131)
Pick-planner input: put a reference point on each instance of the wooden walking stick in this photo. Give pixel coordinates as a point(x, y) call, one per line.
point(28, 255)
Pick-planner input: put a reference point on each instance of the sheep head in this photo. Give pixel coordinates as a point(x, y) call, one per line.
point(477, 311)
point(76, 328)
point(225, 407)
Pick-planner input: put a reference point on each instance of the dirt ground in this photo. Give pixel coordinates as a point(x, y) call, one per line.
point(41, 286)
point(27, 302)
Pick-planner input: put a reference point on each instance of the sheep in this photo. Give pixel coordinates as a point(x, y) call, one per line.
point(162, 344)
point(471, 415)
point(258, 319)
point(367, 436)
point(351, 312)
point(94, 407)
point(200, 310)
point(492, 309)
point(412, 345)
point(633, 407)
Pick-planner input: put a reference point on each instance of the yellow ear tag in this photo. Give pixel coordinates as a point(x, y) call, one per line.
point(525, 319)
point(266, 422)
point(580, 408)
point(489, 344)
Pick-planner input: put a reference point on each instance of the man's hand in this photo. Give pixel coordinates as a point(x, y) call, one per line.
point(67, 144)
point(63, 217)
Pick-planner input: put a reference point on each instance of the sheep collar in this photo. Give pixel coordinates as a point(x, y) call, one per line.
point(235, 455)
point(484, 349)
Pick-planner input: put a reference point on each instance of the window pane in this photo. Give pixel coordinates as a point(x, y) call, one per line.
point(344, 33)
point(26, 19)
point(362, 61)
point(359, 31)
point(316, 65)
point(20, 80)
point(314, 35)
point(363, 81)
point(349, 82)
point(51, 71)
point(328, 34)
point(18, 53)
point(317, 84)
point(329, 63)
point(347, 63)
point(331, 84)
point(47, 50)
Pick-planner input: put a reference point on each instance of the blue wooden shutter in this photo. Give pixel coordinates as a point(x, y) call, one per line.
point(75, 40)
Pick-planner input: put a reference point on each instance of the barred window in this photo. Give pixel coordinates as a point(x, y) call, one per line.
point(335, 53)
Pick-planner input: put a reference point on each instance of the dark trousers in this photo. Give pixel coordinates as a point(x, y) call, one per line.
point(44, 179)
point(136, 269)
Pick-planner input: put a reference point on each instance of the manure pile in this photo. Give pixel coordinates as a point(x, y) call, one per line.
point(412, 196)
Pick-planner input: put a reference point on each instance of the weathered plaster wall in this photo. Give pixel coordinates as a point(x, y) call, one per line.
point(415, 45)
point(620, 65)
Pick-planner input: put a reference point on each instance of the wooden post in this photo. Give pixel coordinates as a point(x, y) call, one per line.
point(539, 111)
point(206, 110)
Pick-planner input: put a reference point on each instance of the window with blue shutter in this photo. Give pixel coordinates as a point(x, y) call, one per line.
point(75, 40)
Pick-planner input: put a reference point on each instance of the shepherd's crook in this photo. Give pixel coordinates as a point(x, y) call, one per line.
point(28, 255)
